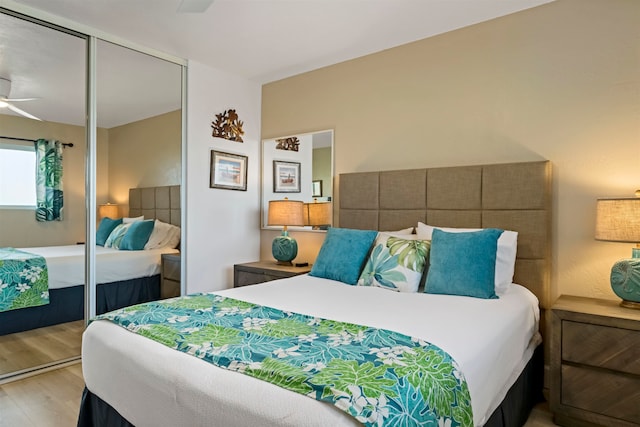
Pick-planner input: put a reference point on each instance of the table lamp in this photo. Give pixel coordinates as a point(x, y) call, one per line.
point(618, 220)
point(108, 210)
point(318, 214)
point(285, 213)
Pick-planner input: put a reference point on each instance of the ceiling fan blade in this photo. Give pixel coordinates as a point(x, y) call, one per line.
point(18, 99)
point(21, 112)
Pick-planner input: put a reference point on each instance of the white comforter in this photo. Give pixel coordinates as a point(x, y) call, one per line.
point(152, 385)
point(66, 264)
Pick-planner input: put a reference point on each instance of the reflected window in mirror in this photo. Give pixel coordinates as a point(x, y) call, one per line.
point(309, 161)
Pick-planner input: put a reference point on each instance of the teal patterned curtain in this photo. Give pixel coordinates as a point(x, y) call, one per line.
point(48, 180)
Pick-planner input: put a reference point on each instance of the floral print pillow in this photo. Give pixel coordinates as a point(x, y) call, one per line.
point(396, 263)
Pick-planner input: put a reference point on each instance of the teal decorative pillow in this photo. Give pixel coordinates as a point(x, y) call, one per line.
point(105, 228)
point(342, 254)
point(137, 235)
point(463, 263)
point(396, 263)
point(116, 236)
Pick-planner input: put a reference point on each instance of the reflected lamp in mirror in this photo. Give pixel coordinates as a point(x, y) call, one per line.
point(108, 210)
point(285, 213)
point(618, 220)
point(318, 214)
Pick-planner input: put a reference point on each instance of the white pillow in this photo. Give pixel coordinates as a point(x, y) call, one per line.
point(403, 231)
point(505, 256)
point(130, 220)
point(163, 235)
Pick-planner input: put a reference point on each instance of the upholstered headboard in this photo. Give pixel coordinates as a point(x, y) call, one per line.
point(513, 196)
point(161, 203)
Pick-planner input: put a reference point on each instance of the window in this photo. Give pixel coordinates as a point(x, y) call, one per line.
point(17, 176)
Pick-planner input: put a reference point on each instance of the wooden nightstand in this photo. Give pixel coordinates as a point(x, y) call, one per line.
point(252, 273)
point(595, 363)
point(170, 276)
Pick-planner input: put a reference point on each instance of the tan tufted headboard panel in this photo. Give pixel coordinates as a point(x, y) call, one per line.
point(161, 203)
point(511, 196)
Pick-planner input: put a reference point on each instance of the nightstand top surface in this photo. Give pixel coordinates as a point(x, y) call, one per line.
point(595, 306)
point(271, 265)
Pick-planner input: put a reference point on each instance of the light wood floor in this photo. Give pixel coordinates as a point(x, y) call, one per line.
point(52, 399)
point(39, 346)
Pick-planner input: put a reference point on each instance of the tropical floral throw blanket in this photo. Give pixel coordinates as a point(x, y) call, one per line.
point(380, 377)
point(24, 280)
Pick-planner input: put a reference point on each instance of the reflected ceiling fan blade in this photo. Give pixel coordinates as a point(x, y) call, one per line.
point(18, 99)
point(21, 112)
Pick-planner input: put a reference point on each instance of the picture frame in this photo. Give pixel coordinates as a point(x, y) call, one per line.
point(316, 188)
point(286, 177)
point(228, 171)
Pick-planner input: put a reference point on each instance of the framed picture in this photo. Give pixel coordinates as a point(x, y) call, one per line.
point(228, 171)
point(316, 188)
point(286, 177)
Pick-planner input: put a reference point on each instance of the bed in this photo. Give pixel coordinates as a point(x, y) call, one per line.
point(131, 380)
point(124, 277)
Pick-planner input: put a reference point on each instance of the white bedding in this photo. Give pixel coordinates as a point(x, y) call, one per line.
point(150, 384)
point(66, 264)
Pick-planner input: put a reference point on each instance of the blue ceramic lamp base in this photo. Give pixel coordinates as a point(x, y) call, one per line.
point(625, 282)
point(284, 248)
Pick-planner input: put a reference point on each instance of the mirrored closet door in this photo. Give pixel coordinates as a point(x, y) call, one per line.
point(42, 128)
point(138, 172)
point(138, 176)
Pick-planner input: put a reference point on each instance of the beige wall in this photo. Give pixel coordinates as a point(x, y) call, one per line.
point(18, 227)
point(557, 82)
point(145, 153)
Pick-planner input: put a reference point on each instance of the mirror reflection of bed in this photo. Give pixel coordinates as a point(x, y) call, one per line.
point(138, 145)
point(33, 336)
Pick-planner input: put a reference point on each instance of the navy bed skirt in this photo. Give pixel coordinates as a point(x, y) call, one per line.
point(67, 304)
point(514, 410)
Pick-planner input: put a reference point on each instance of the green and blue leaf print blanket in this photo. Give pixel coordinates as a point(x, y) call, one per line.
point(380, 377)
point(24, 280)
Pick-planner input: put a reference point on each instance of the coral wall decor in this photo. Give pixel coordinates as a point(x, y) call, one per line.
point(227, 125)
point(290, 144)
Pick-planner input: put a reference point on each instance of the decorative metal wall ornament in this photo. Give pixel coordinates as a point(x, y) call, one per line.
point(290, 144)
point(228, 126)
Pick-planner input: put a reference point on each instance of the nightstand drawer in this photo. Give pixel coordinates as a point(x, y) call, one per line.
point(246, 278)
point(582, 388)
point(252, 273)
point(602, 346)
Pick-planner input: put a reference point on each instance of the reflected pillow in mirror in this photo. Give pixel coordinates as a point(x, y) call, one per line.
point(163, 236)
point(105, 228)
point(137, 235)
point(116, 236)
point(133, 219)
point(343, 254)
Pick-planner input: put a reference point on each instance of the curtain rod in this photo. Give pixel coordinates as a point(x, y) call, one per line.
point(64, 144)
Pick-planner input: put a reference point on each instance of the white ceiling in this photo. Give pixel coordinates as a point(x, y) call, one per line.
point(261, 40)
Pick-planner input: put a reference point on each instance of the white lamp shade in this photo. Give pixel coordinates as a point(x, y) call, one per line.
point(618, 219)
point(285, 212)
point(108, 210)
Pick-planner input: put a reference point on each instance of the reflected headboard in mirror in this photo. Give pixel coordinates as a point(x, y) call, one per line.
point(511, 196)
point(299, 167)
point(161, 203)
